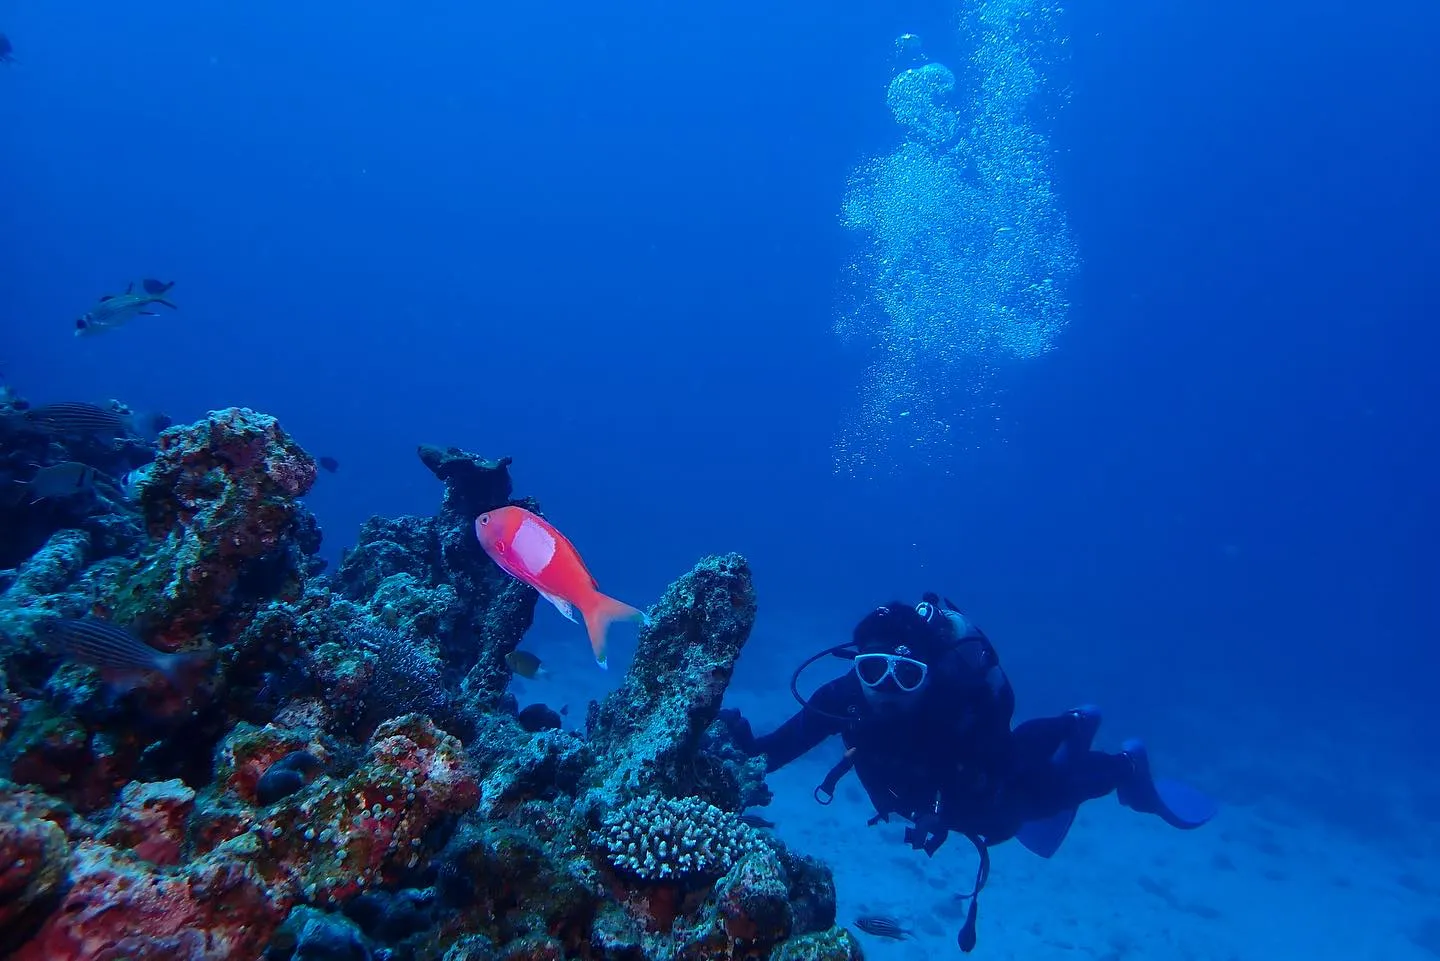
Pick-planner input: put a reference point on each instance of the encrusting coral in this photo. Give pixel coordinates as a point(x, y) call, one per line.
point(348, 776)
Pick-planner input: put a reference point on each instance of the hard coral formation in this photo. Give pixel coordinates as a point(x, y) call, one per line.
point(428, 577)
point(651, 729)
point(348, 776)
point(653, 838)
point(221, 505)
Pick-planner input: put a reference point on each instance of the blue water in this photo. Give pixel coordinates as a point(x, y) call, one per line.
point(605, 240)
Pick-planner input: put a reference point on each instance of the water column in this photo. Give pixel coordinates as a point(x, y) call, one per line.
point(965, 252)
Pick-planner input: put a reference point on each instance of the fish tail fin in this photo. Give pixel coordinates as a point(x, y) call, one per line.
point(600, 614)
point(14, 492)
point(183, 667)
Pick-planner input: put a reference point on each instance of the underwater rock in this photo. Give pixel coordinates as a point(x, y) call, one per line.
point(754, 900)
point(539, 717)
point(60, 754)
point(10, 707)
point(338, 838)
point(351, 778)
point(311, 935)
point(214, 907)
point(647, 734)
point(517, 765)
point(150, 820)
point(53, 567)
point(473, 485)
point(393, 916)
point(836, 944)
point(34, 861)
point(428, 577)
point(221, 506)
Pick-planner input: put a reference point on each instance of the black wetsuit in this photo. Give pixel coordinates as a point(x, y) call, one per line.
point(953, 756)
point(955, 742)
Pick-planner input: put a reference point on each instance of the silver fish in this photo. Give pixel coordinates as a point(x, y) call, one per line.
point(57, 481)
point(115, 309)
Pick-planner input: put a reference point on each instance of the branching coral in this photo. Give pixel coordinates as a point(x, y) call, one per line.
point(655, 839)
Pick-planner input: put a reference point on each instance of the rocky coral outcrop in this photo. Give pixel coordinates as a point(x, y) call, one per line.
point(349, 777)
point(647, 735)
point(429, 578)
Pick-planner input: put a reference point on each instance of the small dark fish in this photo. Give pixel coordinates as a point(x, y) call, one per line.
point(329, 463)
point(57, 481)
point(756, 821)
point(525, 664)
point(115, 309)
point(7, 50)
point(881, 927)
point(76, 417)
point(108, 646)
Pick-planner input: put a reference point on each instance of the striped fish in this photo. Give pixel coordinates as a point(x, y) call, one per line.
point(110, 647)
point(881, 927)
point(76, 417)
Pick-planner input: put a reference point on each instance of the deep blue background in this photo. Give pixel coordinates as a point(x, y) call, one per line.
point(604, 239)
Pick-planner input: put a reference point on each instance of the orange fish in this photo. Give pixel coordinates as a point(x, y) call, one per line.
point(527, 548)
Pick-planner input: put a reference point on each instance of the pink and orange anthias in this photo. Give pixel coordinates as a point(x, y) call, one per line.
point(530, 549)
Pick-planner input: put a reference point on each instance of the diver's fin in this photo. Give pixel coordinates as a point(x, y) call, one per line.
point(1175, 802)
point(1183, 805)
point(1082, 736)
point(1045, 836)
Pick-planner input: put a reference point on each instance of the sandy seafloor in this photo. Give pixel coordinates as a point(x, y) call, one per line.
point(1276, 876)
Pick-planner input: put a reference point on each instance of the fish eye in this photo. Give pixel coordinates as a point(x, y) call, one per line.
point(484, 519)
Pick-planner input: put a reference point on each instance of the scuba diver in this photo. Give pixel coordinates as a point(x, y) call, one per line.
point(925, 717)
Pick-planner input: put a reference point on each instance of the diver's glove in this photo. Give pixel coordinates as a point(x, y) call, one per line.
point(738, 729)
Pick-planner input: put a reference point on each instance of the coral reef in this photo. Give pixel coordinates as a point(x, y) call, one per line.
point(650, 730)
point(343, 773)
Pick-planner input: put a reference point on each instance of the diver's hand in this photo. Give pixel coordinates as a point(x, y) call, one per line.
point(739, 730)
point(928, 834)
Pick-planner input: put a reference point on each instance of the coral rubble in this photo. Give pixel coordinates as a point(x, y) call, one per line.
point(342, 774)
